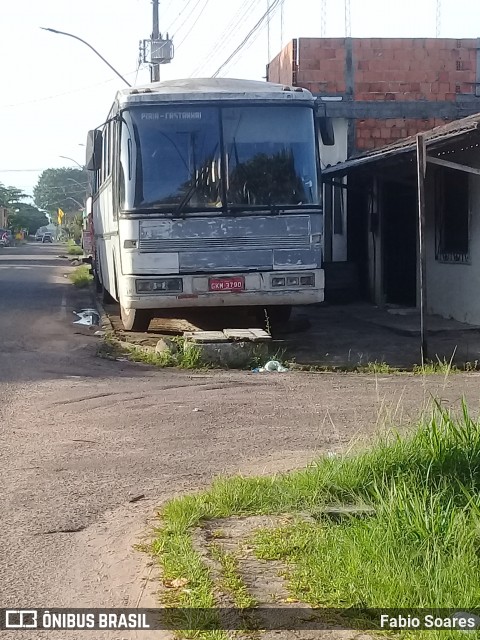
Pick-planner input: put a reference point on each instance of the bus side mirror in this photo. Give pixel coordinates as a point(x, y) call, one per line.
point(327, 133)
point(94, 150)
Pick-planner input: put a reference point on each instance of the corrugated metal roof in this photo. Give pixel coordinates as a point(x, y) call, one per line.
point(433, 137)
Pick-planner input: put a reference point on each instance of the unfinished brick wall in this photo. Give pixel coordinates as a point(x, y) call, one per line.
point(281, 68)
point(382, 69)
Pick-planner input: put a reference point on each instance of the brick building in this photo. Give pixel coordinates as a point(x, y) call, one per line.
point(377, 91)
point(387, 88)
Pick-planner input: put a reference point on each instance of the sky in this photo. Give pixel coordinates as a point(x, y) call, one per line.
point(54, 89)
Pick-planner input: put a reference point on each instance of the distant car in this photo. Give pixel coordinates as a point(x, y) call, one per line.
point(47, 237)
point(39, 236)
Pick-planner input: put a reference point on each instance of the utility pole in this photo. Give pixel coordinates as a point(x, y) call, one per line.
point(155, 67)
point(157, 50)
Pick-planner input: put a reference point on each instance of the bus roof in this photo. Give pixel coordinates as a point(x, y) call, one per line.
point(211, 89)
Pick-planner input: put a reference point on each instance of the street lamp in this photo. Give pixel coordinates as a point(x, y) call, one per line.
point(76, 182)
point(72, 160)
point(76, 201)
point(70, 35)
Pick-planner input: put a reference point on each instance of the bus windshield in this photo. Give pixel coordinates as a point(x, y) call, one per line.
point(197, 158)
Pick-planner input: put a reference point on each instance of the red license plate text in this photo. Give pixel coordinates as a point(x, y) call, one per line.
point(237, 283)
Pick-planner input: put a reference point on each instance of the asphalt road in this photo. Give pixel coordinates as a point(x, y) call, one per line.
point(81, 436)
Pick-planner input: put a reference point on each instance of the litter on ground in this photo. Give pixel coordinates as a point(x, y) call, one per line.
point(271, 365)
point(87, 317)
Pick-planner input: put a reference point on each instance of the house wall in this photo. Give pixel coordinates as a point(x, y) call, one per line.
point(453, 290)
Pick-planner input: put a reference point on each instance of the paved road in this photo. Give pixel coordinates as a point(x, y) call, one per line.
point(81, 436)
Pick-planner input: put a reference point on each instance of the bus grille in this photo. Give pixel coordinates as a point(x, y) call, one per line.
point(206, 244)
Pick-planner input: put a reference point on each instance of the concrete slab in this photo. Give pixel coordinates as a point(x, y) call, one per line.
point(407, 320)
point(205, 336)
point(251, 335)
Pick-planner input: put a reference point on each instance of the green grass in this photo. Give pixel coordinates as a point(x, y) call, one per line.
point(377, 368)
point(73, 249)
point(420, 550)
point(188, 355)
point(232, 581)
point(81, 277)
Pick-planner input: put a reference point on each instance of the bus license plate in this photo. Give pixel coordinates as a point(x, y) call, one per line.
point(236, 283)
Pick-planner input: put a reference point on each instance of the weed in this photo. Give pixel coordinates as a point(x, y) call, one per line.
point(376, 368)
point(430, 367)
point(81, 277)
point(232, 581)
point(188, 355)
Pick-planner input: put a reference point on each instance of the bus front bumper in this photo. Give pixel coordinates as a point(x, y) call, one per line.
point(195, 292)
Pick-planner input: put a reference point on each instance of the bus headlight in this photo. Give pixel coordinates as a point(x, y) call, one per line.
point(307, 281)
point(162, 285)
point(278, 282)
point(130, 244)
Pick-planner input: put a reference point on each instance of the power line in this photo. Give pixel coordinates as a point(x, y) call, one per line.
point(60, 95)
point(266, 15)
point(323, 18)
point(236, 22)
point(281, 25)
point(348, 19)
point(194, 23)
point(248, 45)
point(189, 2)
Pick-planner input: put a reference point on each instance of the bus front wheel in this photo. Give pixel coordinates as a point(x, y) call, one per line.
point(135, 319)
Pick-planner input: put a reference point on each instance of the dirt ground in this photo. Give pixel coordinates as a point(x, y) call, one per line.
point(81, 437)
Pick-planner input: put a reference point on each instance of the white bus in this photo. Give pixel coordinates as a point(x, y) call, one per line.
point(205, 193)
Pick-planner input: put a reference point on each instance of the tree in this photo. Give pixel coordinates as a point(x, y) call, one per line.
point(10, 198)
point(26, 216)
point(64, 188)
point(20, 215)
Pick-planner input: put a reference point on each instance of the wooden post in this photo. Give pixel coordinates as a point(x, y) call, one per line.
point(421, 172)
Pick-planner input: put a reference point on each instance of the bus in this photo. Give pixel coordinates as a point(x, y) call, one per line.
point(205, 193)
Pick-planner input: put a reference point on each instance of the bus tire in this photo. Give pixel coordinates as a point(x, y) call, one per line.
point(135, 319)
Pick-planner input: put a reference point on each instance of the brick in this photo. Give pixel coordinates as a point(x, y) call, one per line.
point(451, 97)
point(327, 54)
point(363, 65)
point(443, 76)
point(385, 133)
